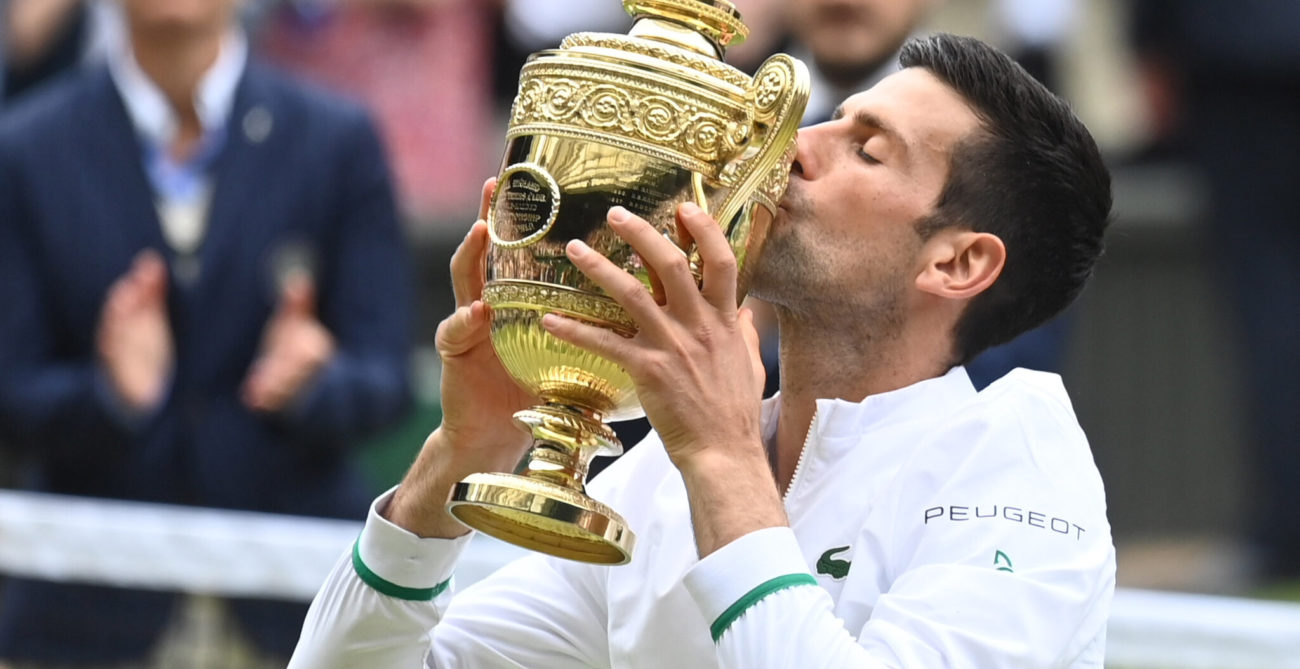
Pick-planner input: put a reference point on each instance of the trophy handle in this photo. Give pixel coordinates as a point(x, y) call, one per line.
point(779, 93)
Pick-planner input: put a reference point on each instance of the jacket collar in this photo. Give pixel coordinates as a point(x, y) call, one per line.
point(147, 107)
point(840, 418)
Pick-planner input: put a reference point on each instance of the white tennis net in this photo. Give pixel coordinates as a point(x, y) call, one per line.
point(227, 553)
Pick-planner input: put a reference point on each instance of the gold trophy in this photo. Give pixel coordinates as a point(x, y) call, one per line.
point(648, 121)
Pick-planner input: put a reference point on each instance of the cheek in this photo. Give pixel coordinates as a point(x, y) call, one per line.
point(885, 206)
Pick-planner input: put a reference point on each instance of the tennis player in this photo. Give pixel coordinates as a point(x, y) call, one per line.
point(878, 512)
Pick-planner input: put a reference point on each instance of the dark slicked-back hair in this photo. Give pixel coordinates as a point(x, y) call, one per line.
point(1033, 177)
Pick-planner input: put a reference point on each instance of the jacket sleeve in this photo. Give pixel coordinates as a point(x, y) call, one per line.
point(365, 300)
point(46, 397)
point(1028, 583)
point(388, 604)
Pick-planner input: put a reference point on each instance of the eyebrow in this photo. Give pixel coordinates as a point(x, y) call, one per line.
point(869, 119)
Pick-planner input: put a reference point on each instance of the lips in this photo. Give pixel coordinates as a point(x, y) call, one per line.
point(783, 215)
point(791, 201)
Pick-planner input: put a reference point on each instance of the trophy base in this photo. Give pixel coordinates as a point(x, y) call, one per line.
point(542, 516)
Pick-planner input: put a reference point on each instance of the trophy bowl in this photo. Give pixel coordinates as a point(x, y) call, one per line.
point(647, 121)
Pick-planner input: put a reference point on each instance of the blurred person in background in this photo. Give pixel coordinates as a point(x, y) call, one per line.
point(204, 299)
point(849, 45)
point(1034, 30)
point(1223, 81)
point(424, 69)
point(40, 39)
point(527, 26)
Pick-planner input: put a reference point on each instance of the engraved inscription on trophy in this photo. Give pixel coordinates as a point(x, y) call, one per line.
point(525, 205)
point(646, 121)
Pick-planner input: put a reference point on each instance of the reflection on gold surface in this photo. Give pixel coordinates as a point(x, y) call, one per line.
point(645, 121)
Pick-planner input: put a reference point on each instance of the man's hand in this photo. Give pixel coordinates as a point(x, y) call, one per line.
point(479, 398)
point(696, 367)
point(295, 346)
point(134, 336)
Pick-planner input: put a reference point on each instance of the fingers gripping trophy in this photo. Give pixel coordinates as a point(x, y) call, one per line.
point(647, 121)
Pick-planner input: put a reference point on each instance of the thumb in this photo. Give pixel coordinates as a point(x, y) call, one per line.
point(462, 331)
point(149, 270)
point(298, 297)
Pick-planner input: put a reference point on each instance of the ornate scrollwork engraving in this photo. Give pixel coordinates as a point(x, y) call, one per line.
point(769, 90)
point(699, 133)
point(712, 67)
point(774, 184)
point(779, 92)
point(529, 295)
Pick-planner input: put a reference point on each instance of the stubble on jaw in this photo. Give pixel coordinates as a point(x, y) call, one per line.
point(810, 299)
point(785, 258)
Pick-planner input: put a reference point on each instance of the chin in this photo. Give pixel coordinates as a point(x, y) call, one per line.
point(178, 16)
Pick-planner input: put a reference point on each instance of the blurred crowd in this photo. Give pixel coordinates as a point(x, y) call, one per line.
point(224, 228)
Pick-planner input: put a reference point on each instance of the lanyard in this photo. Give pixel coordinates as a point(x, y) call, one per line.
point(182, 182)
point(182, 192)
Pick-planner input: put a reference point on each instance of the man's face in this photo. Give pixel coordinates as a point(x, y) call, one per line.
point(845, 237)
point(179, 17)
point(850, 39)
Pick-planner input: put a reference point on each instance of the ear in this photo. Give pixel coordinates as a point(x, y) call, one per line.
point(960, 264)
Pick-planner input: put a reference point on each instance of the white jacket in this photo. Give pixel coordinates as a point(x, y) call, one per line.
point(930, 527)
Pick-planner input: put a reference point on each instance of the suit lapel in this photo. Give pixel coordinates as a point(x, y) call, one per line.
point(242, 165)
point(114, 166)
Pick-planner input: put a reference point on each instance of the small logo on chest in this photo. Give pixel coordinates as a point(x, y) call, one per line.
point(829, 565)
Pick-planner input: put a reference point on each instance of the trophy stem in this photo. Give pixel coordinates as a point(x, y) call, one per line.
point(566, 438)
point(552, 462)
point(545, 508)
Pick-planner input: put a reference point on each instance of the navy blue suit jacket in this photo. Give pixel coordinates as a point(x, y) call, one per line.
point(75, 208)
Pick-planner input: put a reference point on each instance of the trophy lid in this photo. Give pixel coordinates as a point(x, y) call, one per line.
point(718, 21)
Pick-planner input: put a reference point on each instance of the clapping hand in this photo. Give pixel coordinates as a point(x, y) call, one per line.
point(134, 337)
point(295, 347)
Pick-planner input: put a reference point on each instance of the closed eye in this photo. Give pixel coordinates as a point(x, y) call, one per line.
point(862, 152)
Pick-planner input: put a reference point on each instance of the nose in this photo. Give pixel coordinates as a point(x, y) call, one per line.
point(796, 166)
point(805, 160)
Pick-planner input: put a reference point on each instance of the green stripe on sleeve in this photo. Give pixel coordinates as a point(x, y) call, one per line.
point(753, 596)
point(389, 588)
